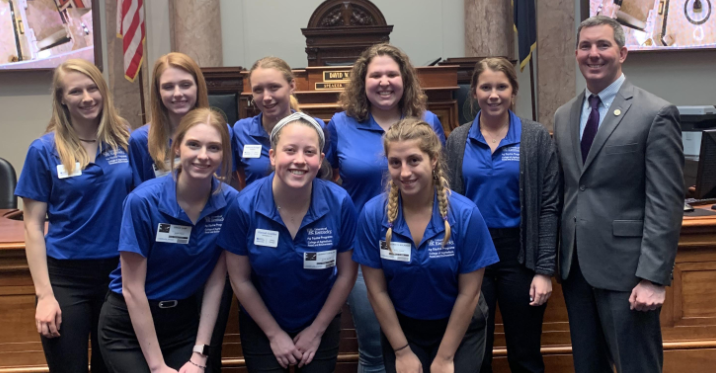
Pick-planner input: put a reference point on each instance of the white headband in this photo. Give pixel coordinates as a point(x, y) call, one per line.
point(296, 117)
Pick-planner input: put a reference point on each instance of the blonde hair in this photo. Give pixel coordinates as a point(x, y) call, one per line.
point(160, 128)
point(353, 98)
point(415, 129)
point(496, 64)
point(112, 130)
point(214, 119)
point(282, 67)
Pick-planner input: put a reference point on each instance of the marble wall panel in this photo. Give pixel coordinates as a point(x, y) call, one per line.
point(488, 28)
point(196, 30)
point(556, 67)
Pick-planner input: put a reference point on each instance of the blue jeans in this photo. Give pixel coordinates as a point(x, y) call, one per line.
point(367, 329)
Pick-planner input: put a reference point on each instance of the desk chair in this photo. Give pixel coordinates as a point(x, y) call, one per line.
point(8, 181)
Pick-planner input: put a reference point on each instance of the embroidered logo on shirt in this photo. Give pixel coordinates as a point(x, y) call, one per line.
point(116, 157)
point(319, 237)
point(511, 154)
point(213, 223)
point(436, 249)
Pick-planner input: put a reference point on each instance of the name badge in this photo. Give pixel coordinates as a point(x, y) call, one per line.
point(266, 238)
point(251, 151)
point(401, 251)
point(319, 260)
point(62, 173)
point(160, 173)
point(172, 233)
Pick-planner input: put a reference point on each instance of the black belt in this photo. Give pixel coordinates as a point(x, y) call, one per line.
point(159, 304)
point(504, 232)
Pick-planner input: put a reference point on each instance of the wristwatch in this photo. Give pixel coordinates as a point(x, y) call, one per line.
point(201, 349)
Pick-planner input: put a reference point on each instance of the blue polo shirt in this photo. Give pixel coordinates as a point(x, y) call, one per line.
point(492, 180)
point(422, 280)
point(84, 210)
point(356, 149)
point(143, 168)
point(284, 270)
point(180, 255)
point(250, 131)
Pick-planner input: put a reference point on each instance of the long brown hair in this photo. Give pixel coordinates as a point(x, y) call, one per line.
point(160, 128)
point(353, 98)
point(415, 129)
point(113, 130)
point(496, 64)
point(283, 68)
point(214, 119)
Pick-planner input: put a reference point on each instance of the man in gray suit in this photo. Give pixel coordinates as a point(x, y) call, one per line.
point(621, 160)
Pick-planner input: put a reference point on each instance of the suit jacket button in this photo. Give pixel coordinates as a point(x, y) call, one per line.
point(582, 188)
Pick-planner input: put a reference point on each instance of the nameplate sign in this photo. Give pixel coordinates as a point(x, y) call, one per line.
point(330, 86)
point(337, 76)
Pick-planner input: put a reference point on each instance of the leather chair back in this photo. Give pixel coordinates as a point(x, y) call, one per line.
point(8, 181)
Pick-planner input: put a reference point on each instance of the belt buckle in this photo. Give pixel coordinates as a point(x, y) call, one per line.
point(168, 303)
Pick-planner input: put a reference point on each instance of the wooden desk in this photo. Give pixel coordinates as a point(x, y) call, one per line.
point(688, 318)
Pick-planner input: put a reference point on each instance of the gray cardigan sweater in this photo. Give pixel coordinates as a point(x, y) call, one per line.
point(539, 191)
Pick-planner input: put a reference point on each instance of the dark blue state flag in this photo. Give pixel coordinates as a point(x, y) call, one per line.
point(525, 19)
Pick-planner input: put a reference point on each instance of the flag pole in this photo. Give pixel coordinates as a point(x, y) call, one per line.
point(141, 97)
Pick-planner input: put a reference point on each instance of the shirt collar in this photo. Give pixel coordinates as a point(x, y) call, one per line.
point(514, 133)
point(608, 94)
point(256, 128)
point(434, 227)
point(169, 205)
point(267, 206)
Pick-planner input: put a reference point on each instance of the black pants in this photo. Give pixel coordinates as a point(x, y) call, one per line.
point(80, 287)
point(424, 337)
point(213, 363)
point(260, 358)
point(175, 327)
point(605, 331)
point(508, 283)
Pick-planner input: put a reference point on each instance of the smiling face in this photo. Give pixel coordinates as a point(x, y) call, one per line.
point(297, 155)
point(599, 57)
point(82, 97)
point(200, 152)
point(177, 89)
point(494, 93)
point(272, 93)
point(383, 83)
point(411, 169)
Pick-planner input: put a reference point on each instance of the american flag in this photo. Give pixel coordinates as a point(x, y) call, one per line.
point(130, 27)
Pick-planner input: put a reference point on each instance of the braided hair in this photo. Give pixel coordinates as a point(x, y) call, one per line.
point(415, 129)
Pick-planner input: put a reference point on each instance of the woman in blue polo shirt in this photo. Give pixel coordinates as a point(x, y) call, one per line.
point(168, 252)
point(383, 88)
point(272, 86)
point(423, 251)
point(290, 242)
point(178, 87)
point(78, 174)
point(508, 166)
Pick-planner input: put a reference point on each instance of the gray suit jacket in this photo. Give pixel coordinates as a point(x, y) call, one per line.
point(623, 205)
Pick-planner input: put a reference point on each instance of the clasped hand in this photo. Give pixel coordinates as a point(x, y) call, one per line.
point(300, 350)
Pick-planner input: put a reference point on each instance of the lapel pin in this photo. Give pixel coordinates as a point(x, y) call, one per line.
point(617, 112)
